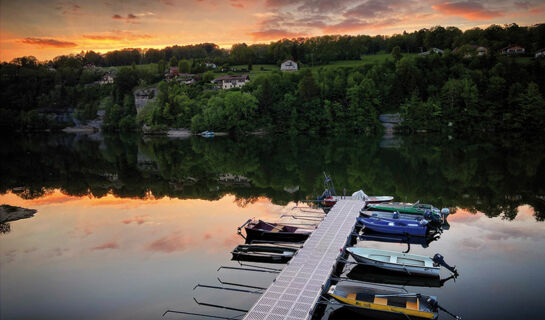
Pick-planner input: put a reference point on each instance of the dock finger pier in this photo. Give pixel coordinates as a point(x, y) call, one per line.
point(297, 289)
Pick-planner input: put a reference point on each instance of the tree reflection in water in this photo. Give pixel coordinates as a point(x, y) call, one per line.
point(491, 174)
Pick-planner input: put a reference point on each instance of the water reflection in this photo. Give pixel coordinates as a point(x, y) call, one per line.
point(127, 225)
point(490, 175)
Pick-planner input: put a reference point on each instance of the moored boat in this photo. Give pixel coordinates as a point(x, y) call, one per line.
point(395, 261)
point(408, 208)
point(395, 226)
point(261, 230)
point(371, 301)
point(264, 253)
point(433, 218)
point(375, 275)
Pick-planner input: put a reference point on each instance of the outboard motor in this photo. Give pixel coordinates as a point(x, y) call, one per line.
point(445, 212)
point(428, 215)
point(439, 260)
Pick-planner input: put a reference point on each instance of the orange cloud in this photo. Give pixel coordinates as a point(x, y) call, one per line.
point(107, 245)
point(42, 43)
point(466, 9)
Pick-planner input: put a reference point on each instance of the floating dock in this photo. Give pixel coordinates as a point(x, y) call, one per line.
point(297, 289)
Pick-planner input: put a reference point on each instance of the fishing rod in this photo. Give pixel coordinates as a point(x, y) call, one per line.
point(202, 315)
point(256, 266)
point(374, 284)
point(309, 218)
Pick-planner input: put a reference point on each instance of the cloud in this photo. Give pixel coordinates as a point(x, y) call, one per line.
point(352, 25)
point(136, 219)
point(107, 245)
point(42, 43)
point(117, 36)
point(469, 10)
point(166, 2)
point(371, 8)
point(129, 19)
point(170, 243)
point(274, 34)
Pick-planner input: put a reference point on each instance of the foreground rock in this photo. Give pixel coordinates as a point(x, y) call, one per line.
point(10, 213)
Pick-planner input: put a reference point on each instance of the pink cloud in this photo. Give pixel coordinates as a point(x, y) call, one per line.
point(170, 243)
point(42, 43)
point(136, 219)
point(107, 245)
point(469, 10)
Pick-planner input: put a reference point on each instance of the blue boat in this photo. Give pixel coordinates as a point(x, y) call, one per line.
point(396, 226)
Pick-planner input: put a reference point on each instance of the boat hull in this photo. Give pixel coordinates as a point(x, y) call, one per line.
point(428, 271)
point(367, 273)
point(395, 226)
point(253, 234)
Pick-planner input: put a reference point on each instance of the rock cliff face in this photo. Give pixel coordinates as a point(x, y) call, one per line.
point(143, 96)
point(10, 213)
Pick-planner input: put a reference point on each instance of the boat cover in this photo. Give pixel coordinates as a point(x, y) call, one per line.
point(359, 195)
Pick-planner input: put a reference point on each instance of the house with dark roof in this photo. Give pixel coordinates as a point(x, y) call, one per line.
point(229, 82)
point(510, 50)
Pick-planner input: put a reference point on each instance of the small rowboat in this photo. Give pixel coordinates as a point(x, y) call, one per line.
point(373, 302)
point(395, 261)
point(264, 253)
point(395, 226)
point(261, 230)
point(408, 208)
point(375, 275)
point(332, 200)
point(435, 219)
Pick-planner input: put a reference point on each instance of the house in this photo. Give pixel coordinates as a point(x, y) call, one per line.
point(481, 51)
point(540, 53)
point(107, 78)
point(432, 50)
point(512, 50)
point(288, 65)
point(210, 65)
point(228, 82)
point(187, 78)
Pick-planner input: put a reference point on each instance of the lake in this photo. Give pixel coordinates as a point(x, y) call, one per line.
point(128, 225)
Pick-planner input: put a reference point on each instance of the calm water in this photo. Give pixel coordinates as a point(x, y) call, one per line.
point(127, 226)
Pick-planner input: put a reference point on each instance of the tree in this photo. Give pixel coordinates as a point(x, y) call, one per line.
point(364, 100)
point(396, 53)
point(184, 66)
point(307, 87)
point(173, 62)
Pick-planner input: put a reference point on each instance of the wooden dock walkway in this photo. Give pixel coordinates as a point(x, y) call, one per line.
point(296, 290)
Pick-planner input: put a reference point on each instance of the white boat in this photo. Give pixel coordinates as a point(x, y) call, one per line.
point(395, 261)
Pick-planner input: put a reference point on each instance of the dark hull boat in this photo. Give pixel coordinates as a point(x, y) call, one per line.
point(392, 238)
point(395, 226)
point(261, 230)
point(377, 275)
point(264, 253)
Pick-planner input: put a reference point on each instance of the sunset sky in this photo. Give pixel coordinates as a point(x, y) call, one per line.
point(46, 29)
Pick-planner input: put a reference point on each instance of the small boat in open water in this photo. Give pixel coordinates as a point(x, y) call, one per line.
point(261, 230)
point(380, 303)
point(269, 253)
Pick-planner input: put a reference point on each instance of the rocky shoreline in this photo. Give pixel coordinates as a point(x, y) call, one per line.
point(11, 213)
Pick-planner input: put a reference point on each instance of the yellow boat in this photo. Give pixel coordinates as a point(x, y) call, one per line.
point(384, 303)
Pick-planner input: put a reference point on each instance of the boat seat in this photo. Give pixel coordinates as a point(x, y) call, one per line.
point(412, 305)
point(276, 229)
point(381, 301)
point(351, 296)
